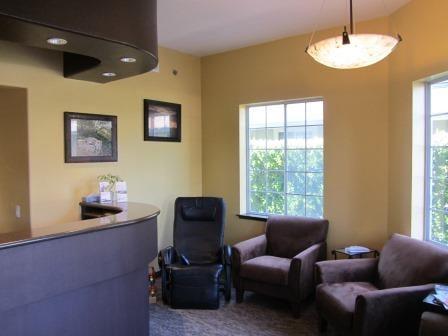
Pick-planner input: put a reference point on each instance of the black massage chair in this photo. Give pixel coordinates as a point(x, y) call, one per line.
point(197, 268)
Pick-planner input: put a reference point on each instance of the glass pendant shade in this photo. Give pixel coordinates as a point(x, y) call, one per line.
point(363, 50)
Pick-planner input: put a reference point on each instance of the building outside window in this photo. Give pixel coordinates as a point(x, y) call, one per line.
point(436, 168)
point(285, 158)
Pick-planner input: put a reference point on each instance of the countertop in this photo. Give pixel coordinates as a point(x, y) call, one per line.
point(130, 213)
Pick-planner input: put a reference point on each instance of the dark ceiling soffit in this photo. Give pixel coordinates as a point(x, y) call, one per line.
point(95, 45)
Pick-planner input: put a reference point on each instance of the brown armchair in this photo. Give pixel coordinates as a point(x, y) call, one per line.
point(380, 296)
point(280, 263)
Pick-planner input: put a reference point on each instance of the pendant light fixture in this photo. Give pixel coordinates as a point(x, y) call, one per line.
point(350, 50)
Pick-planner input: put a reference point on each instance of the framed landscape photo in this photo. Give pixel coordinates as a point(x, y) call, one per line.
point(161, 121)
point(90, 137)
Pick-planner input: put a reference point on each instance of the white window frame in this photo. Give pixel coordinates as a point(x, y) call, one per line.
point(245, 150)
point(427, 175)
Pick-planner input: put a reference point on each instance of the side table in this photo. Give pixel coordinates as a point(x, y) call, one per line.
point(352, 255)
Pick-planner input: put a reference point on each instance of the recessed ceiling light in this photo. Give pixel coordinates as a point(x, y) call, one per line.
point(109, 74)
point(128, 59)
point(57, 41)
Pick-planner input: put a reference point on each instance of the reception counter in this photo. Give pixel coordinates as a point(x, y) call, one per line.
point(84, 278)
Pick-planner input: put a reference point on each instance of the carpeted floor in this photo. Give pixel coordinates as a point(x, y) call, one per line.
point(257, 315)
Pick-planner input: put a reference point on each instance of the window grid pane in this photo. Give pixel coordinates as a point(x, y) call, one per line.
point(286, 177)
point(436, 203)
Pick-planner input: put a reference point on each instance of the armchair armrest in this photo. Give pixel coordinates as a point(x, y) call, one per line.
point(301, 274)
point(248, 249)
point(241, 252)
point(346, 270)
point(395, 310)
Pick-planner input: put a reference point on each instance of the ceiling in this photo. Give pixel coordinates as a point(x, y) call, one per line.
point(205, 27)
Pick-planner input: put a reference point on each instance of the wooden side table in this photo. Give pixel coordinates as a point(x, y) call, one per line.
point(352, 255)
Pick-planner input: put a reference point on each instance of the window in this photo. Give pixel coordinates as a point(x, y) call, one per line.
point(436, 171)
point(285, 158)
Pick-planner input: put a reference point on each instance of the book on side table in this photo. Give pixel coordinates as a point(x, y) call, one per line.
point(437, 301)
point(441, 295)
point(357, 249)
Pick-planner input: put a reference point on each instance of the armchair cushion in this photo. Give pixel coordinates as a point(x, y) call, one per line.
point(287, 236)
point(268, 269)
point(398, 268)
point(337, 301)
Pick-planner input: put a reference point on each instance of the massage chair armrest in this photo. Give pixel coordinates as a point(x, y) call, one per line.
point(226, 255)
point(167, 256)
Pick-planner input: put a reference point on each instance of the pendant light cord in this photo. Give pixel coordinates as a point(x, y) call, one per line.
point(351, 18)
point(315, 23)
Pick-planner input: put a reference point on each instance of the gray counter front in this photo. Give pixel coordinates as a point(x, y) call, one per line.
point(86, 278)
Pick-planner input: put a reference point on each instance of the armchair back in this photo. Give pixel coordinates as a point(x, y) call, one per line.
point(199, 228)
point(405, 261)
point(287, 236)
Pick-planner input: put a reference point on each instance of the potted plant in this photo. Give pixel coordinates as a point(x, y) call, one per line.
point(107, 184)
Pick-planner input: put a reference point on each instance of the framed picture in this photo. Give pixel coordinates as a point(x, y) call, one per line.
point(161, 121)
point(90, 137)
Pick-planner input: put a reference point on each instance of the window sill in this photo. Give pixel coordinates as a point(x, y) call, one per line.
point(436, 243)
point(260, 218)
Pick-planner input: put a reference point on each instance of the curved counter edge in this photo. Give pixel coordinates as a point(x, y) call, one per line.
point(130, 213)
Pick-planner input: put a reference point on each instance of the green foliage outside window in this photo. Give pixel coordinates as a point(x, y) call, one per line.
point(298, 193)
point(439, 195)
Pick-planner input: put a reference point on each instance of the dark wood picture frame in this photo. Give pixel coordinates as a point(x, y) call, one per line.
point(73, 158)
point(153, 107)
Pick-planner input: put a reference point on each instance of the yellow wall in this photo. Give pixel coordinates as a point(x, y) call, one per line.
point(14, 181)
point(356, 131)
point(156, 172)
point(423, 53)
